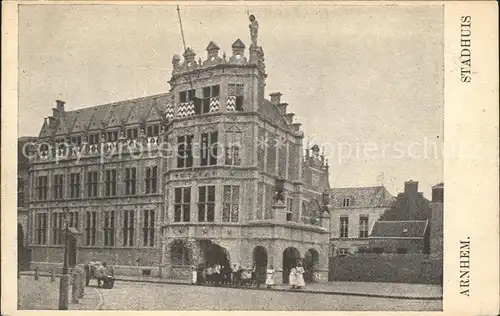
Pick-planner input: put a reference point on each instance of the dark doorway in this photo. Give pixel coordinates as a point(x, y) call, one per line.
point(311, 259)
point(290, 258)
point(214, 254)
point(260, 261)
point(23, 253)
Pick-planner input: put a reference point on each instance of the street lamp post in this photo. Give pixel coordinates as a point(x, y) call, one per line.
point(64, 280)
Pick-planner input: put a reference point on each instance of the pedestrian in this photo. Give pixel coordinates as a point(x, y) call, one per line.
point(270, 277)
point(234, 271)
point(292, 278)
point(194, 275)
point(227, 274)
point(209, 274)
point(216, 273)
point(300, 276)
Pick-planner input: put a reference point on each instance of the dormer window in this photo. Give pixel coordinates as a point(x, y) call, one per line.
point(152, 130)
point(186, 96)
point(76, 140)
point(112, 136)
point(346, 202)
point(132, 133)
point(93, 139)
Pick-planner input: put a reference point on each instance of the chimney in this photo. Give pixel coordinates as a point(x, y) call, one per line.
point(52, 121)
point(282, 108)
point(411, 186)
point(438, 193)
point(289, 118)
point(60, 105)
point(275, 98)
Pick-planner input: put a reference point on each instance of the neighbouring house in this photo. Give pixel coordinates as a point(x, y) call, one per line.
point(400, 237)
point(353, 213)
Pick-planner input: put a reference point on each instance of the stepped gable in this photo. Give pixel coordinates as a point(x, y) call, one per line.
point(376, 196)
point(271, 112)
point(106, 115)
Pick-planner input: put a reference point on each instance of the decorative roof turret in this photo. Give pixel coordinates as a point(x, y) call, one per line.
point(238, 52)
point(189, 56)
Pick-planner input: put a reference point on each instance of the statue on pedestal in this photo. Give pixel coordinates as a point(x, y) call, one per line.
point(254, 29)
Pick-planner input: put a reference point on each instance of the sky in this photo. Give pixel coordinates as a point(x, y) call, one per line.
point(366, 82)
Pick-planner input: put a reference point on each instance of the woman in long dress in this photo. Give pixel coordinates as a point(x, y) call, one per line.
point(270, 276)
point(194, 275)
point(300, 276)
point(292, 278)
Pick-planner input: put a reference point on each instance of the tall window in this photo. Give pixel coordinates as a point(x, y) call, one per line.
point(130, 181)
point(57, 228)
point(128, 228)
point(57, 187)
point(109, 228)
point(40, 228)
point(208, 156)
point(92, 181)
point(74, 185)
point(237, 91)
point(148, 230)
point(41, 187)
point(233, 144)
point(206, 203)
point(90, 228)
point(181, 204)
point(151, 179)
point(289, 209)
point(110, 182)
point(344, 227)
point(152, 130)
point(73, 219)
point(20, 192)
point(230, 203)
point(112, 136)
point(132, 133)
point(363, 226)
point(188, 95)
point(208, 92)
point(185, 151)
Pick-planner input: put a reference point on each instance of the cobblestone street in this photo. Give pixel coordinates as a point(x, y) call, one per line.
point(147, 296)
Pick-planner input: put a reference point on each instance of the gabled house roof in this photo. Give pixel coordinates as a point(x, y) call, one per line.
point(362, 197)
point(112, 114)
point(399, 229)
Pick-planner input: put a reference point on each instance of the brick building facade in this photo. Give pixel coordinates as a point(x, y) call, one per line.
point(211, 171)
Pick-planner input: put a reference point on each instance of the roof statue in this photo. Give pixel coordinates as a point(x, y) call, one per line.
point(254, 29)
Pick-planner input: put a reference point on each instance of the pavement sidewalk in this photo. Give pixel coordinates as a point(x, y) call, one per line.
point(42, 294)
point(367, 289)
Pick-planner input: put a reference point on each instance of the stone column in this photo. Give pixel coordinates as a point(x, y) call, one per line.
point(279, 212)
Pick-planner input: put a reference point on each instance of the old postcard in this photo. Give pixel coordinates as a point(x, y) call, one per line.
point(250, 156)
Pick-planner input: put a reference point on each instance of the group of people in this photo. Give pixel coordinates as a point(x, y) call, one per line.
point(238, 276)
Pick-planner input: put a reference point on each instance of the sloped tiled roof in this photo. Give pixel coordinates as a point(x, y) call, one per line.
point(401, 229)
point(361, 197)
point(112, 114)
point(271, 112)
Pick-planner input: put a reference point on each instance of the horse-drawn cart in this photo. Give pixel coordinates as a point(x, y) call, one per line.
point(103, 273)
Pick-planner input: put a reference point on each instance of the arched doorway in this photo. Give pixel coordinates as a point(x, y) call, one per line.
point(260, 261)
point(214, 254)
point(311, 260)
point(290, 258)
